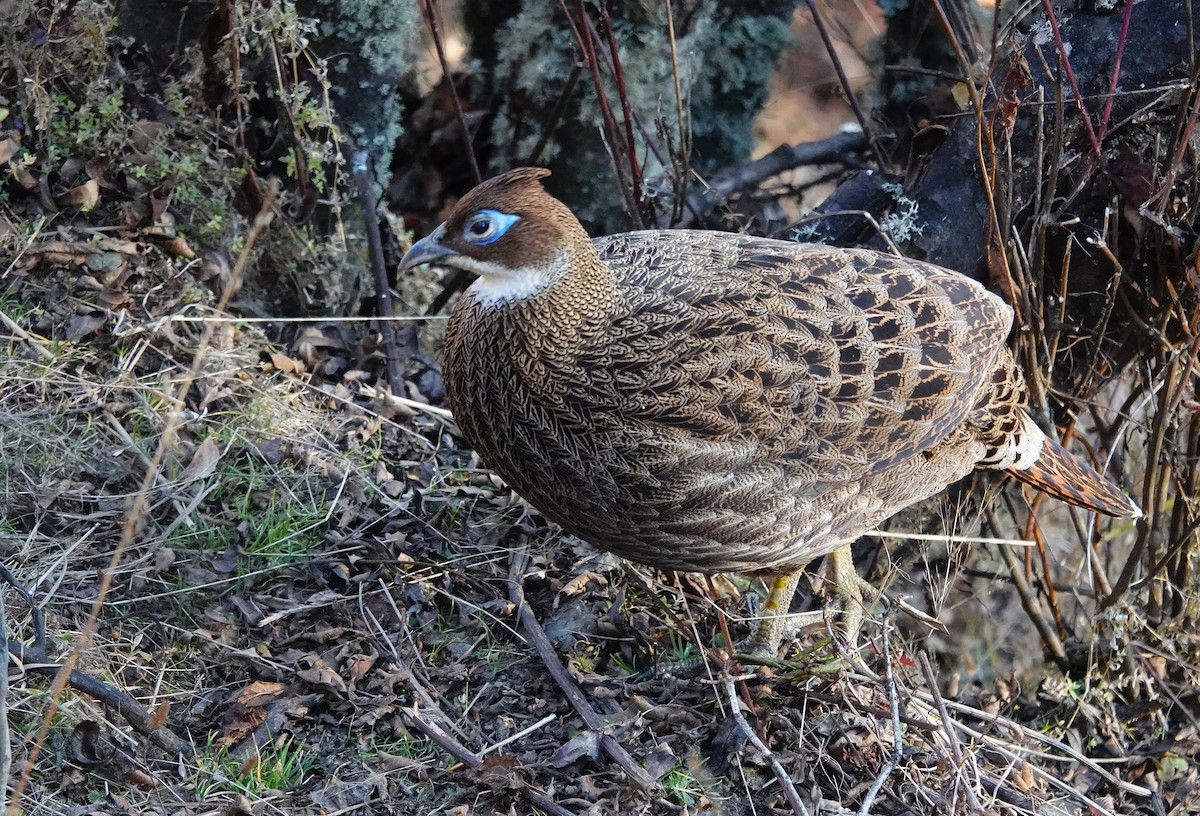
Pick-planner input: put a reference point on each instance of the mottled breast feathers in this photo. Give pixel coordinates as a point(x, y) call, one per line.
point(709, 401)
point(714, 401)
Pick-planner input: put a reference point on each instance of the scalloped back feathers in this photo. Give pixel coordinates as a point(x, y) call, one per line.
point(711, 401)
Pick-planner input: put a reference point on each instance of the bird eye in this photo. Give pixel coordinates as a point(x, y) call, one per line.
point(487, 226)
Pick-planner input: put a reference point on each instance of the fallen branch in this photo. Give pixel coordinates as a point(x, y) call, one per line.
point(145, 721)
point(704, 200)
point(467, 757)
point(537, 637)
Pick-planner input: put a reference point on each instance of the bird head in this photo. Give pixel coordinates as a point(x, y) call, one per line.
point(510, 232)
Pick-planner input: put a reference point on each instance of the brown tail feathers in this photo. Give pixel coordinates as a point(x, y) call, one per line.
point(1065, 476)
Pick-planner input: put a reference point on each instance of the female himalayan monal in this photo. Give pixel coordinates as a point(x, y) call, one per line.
point(710, 401)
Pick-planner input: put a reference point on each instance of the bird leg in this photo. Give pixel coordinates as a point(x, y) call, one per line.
point(848, 590)
point(846, 596)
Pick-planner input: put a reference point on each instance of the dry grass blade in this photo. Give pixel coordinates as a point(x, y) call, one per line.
point(134, 516)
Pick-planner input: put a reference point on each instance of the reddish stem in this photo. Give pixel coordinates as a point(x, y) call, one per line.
point(1062, 55)
point(635, 172)
point(1116, 71)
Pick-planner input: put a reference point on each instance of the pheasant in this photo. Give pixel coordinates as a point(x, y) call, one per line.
point(708, 401)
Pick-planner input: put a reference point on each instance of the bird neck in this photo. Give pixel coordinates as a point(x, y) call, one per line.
point(572, 305)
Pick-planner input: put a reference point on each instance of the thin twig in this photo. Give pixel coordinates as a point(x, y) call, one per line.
point(541, 643)
point(864, 215)
point(443, 740)
point(584, 39)
point(1079, 101)
point(35, 613)
point(549, 718)
point(551, 122)
point(436, 34)
point(851, 98)
point(1029, 600)
point(423, 696)
point(1122, 38)
point(983, 132)
point(1179, 148)
point(889, 684)
point(283, 321)
point(951, 735)
point(34, 343)
point(635, 172)
point(681, 159)
point(951, 539)
point(647, 138)
point(781, 775)
point(1066, 752)
point(405, 402)
point(360, 165)
point(450, 745)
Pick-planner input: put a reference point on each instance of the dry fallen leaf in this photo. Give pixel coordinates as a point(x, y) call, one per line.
point(579, 583)
point(288, 365)
point(84, 197)
point(322, 675)
point(179, 247)
point(81, 325)
point(358, 665)
point(585, 744)
point(500, 772)
point(9, 147)
point(259, 693)
point(159, 716)
point(164, 558)
point(204, 461)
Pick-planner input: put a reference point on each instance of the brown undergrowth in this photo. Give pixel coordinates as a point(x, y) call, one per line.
point(321, 607)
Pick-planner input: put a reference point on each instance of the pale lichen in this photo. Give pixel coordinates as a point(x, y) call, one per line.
point(726, 52)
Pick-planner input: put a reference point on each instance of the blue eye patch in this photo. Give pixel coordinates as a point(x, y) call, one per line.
point(486, 226)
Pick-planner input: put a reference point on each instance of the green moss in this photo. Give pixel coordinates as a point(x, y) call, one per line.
point(372, 47)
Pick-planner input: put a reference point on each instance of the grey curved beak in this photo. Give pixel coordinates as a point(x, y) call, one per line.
point(428, 250)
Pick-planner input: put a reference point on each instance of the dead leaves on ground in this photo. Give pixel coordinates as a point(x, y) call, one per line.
point(90, 286)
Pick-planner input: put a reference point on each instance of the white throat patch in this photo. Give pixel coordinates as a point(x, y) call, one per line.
point(502, 284)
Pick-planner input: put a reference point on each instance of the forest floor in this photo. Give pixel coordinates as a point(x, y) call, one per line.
point(285, 590)
point(322, 602)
